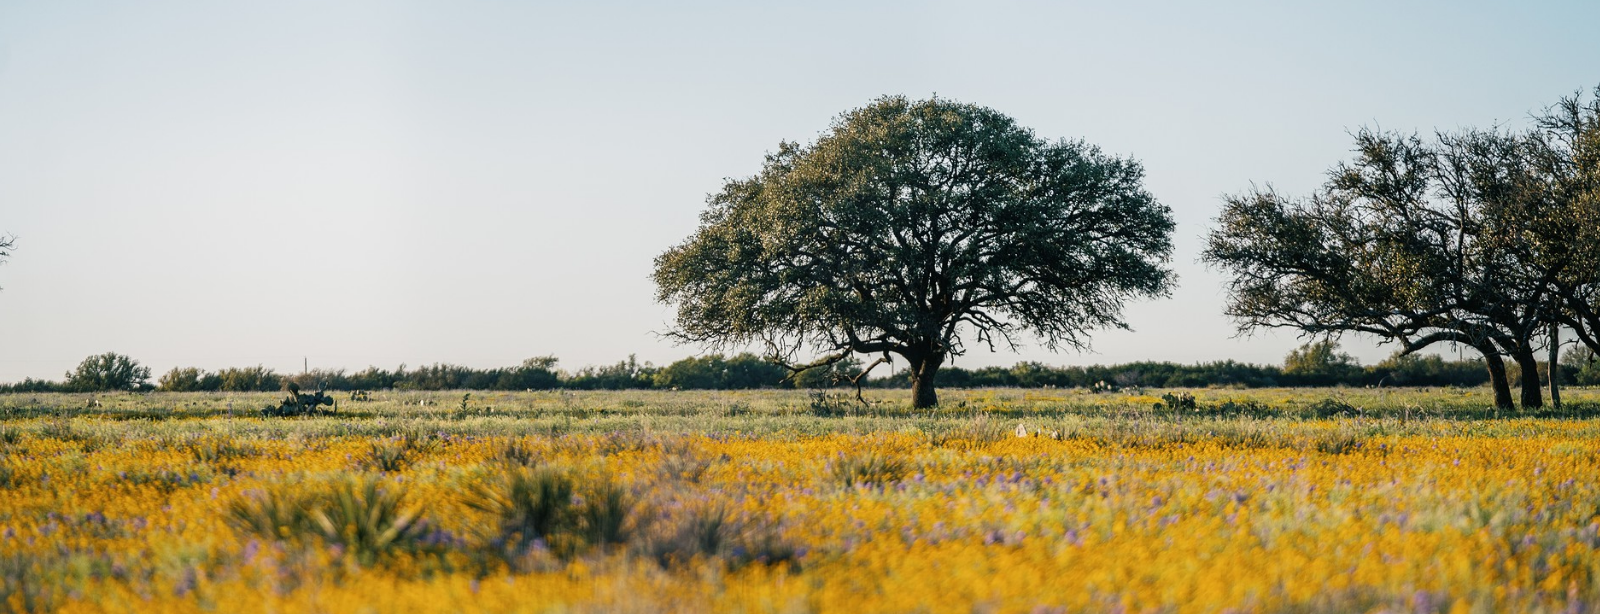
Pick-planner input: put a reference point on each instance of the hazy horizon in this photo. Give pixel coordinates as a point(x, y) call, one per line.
point(382, 183)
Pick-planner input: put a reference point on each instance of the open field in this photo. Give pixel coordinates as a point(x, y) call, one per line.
point(1280, 500)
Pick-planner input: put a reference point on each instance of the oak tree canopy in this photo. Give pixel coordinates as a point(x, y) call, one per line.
point(912, 228)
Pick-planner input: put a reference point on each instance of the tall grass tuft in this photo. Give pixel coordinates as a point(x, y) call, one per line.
point(604, 516)
point(867, 470)
point(363, 518)
point(529, 506)
point(368, 520)
point(278, 514)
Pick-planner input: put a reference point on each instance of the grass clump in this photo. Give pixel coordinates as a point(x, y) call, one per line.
point(544, 509)
point(604, 517)
point(1339, 443)
point(367, 520)
point(394, 454)
point(274, 514)
point(867, 470)
point(518, 452)
point(701, 532)
point(529, 507)
point(713, 533)
point(362, 518)
point(219, 450)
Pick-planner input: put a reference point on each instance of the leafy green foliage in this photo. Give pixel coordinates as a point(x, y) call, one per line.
point(249, 379)
point(188, 379)
point(106, 372)
point(714, 372)
point(1178, 401)
point(623, 375)
point(1469, 238)
point(1319, 362)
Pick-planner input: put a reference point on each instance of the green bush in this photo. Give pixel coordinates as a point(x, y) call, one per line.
point(249, 379)
point(106, 372)
point(715, 372)
point(188, 379)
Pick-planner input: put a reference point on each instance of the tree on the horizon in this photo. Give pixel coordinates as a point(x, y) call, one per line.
point(909, 224)
point(107, 372)
point(1320, 362)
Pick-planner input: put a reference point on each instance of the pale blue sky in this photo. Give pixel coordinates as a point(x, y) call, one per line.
point(222, 184)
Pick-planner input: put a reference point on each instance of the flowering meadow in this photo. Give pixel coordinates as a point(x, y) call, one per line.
point(771, 501)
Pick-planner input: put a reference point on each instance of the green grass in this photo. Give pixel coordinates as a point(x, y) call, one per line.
point(1133, 416)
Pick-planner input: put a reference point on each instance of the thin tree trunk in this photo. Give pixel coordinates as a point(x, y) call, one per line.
point(1532, 395)
point(1497, 379)
point(1555, 365)
point(923, 370)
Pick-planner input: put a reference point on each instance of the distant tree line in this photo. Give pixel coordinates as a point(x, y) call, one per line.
point(1315, 364)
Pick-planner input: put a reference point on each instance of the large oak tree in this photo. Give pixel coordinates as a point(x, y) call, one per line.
point(912, 227)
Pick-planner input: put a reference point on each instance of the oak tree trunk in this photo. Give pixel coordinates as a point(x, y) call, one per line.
point(1532, 392)
point(1555, 365)
point(924, 367)
point(1497, 379)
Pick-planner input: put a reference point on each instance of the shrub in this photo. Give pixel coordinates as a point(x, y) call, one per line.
point(33, 385)
point(624, 375)
point(1238, 408)
point(824, 404)
point(108, 371)
point(1179, 401)
point(1320, 363)
point(533, 374)
point(188, 379)
point(715, 372)
point(1328, 408)
point(249, 379)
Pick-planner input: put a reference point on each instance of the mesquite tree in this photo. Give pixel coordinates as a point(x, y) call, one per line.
point(1416, 242)
point(911, 228)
